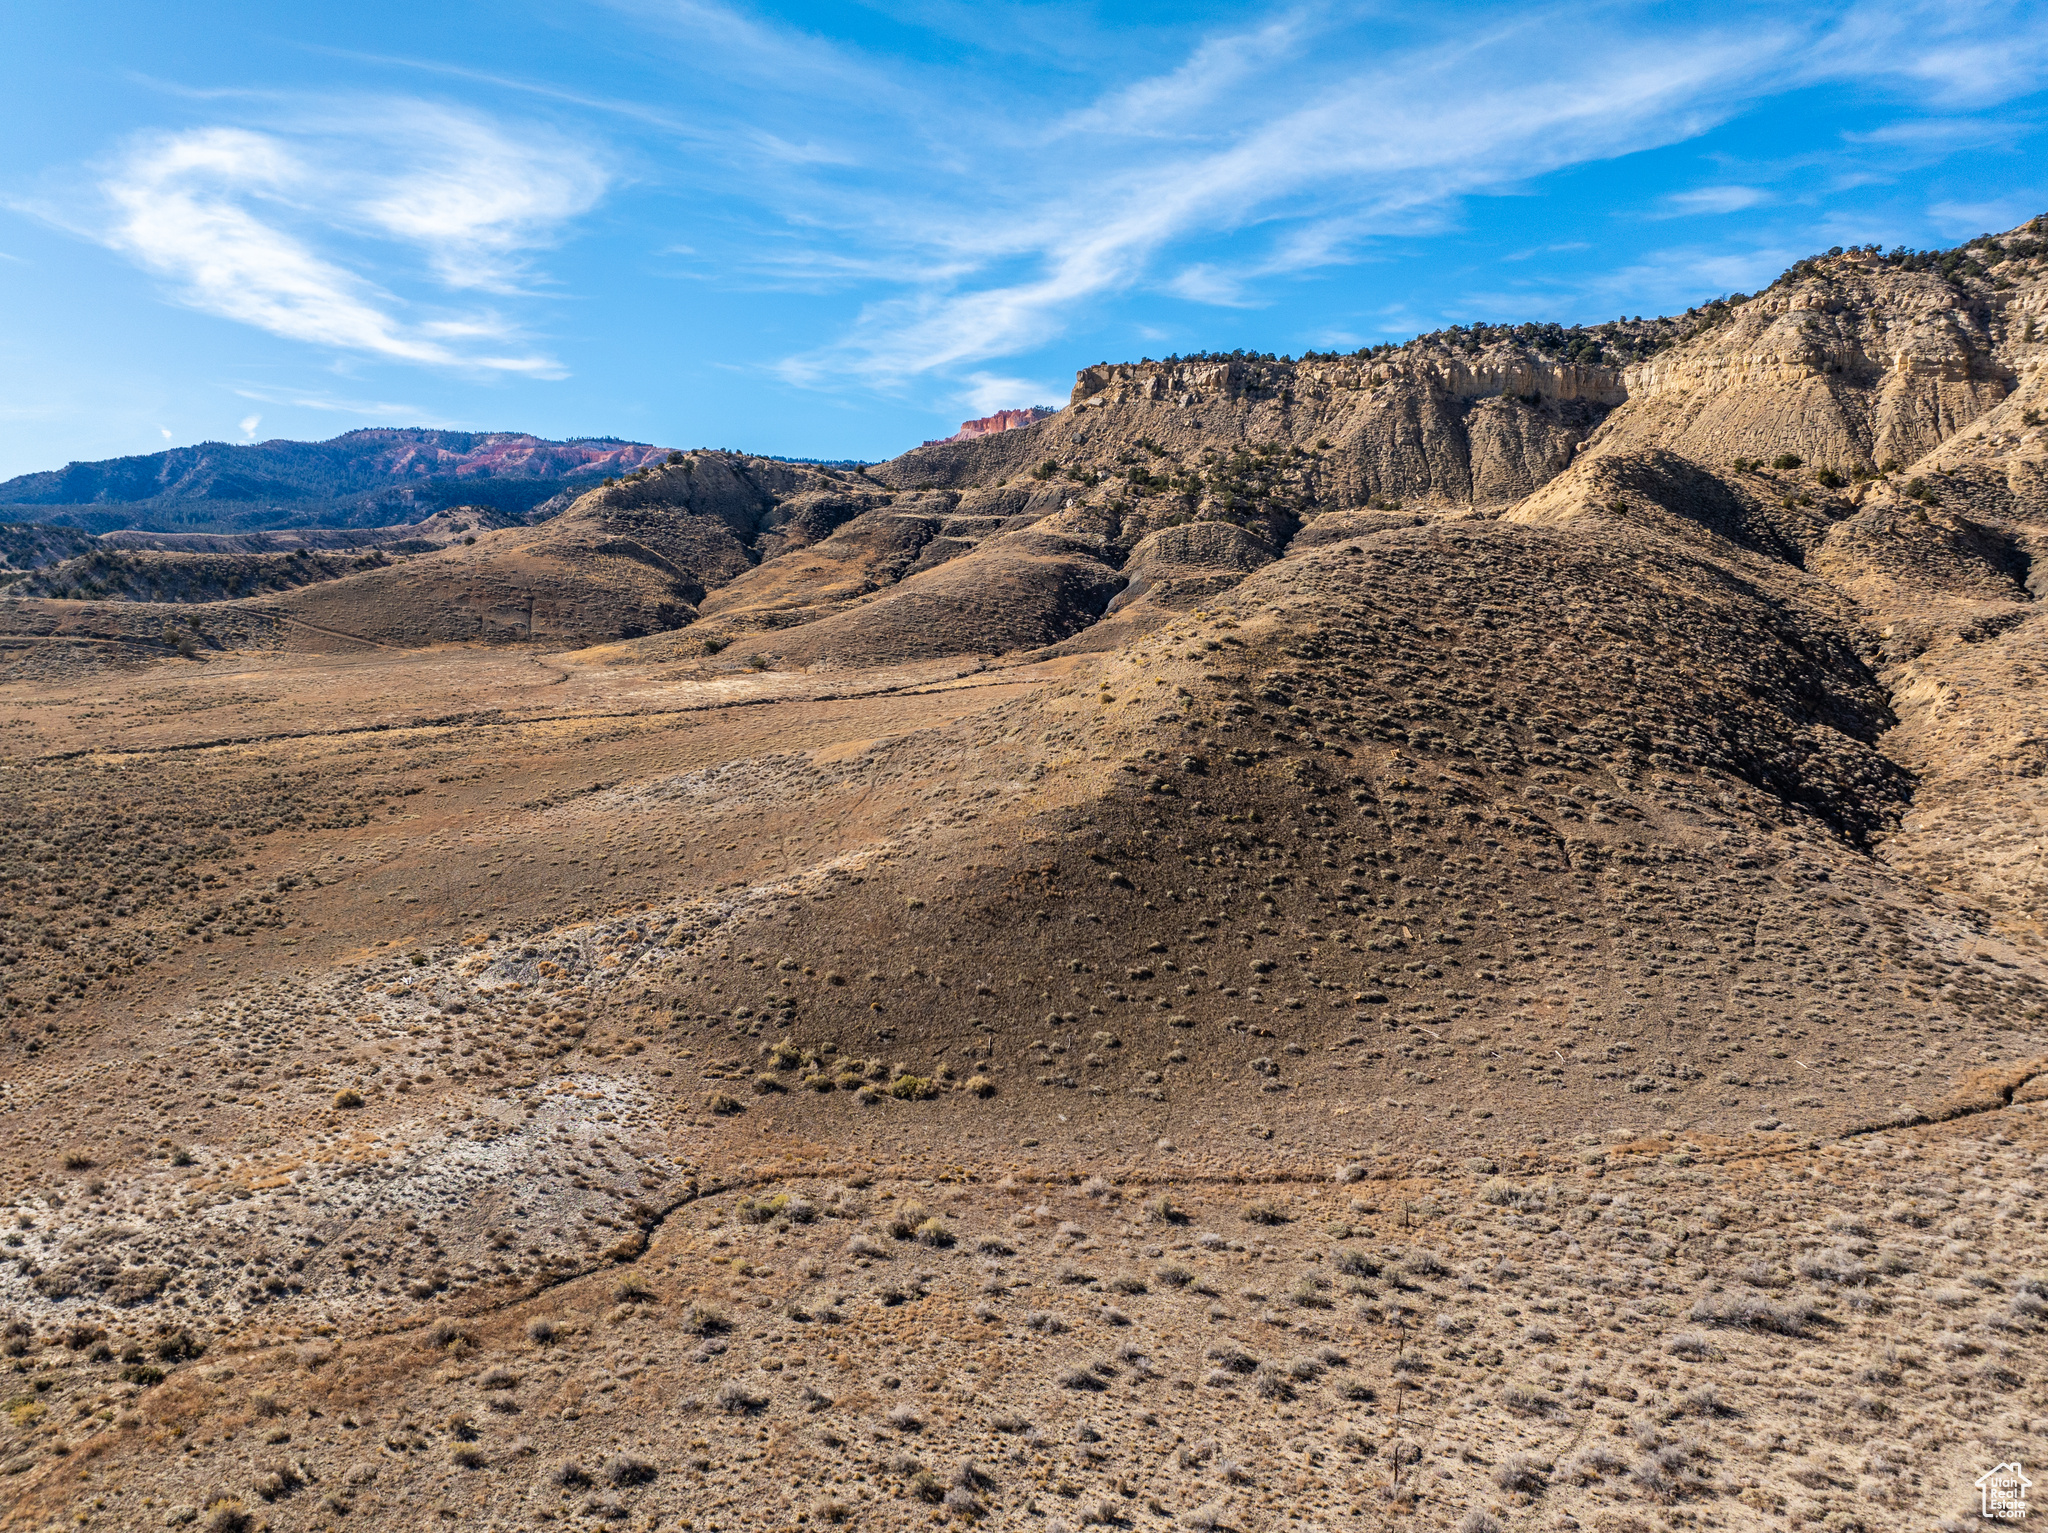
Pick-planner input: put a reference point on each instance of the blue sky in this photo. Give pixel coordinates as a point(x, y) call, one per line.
point(835, 230)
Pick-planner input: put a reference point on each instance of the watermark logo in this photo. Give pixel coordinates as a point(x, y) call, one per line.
point(2004, 1490)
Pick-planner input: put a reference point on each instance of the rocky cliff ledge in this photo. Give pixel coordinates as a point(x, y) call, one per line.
point(1002, 420)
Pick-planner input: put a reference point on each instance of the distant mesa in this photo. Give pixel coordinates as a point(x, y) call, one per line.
point(1002, 420)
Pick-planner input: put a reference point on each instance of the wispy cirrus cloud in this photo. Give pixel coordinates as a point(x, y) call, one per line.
point(987, 392)
point(473, 198)
point(1368, 153)
point(1296, 147)
point(302, 228)
point(382, 411)
point(1711, 199)
point(1666, 281)
point(1961, 219)
point(1936, 134)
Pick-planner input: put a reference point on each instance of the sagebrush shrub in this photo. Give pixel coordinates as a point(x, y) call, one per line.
point(1354, 1263)
point(623, 1469)
point(1754, 1314)
point(735, 1399)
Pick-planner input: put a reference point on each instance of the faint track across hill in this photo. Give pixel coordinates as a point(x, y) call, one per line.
point(494, 720)
point(625, 1253)
point(335, 633)
point(82, 638)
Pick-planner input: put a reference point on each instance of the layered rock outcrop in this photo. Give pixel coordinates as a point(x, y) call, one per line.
point(1002, 420)
point(1851, 363)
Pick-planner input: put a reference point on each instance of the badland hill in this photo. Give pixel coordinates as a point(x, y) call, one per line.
point(1441, 937)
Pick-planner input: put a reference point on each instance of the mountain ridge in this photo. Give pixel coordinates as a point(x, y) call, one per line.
point(366, 458)
point(366, 477)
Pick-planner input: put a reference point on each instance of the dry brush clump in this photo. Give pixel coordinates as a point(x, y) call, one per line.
point(1754, 1313)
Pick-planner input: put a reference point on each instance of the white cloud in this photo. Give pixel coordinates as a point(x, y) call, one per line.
point(1180, 103)
point(1940, 134)
point(1668, 281)
point(474, 199)
point(249, 424)
point(266, 227)
point(1207, 283)
point(987, 393)
point(383, 411)
point(166, 430)
point(1960, 220)
point(1950, 53)
point(1536, 250)
point(1711, 199)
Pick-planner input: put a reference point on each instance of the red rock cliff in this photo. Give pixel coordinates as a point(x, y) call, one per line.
point(1002, 420)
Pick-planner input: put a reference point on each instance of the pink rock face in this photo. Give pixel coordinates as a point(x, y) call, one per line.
point(1002, 420)
point(510, 453)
